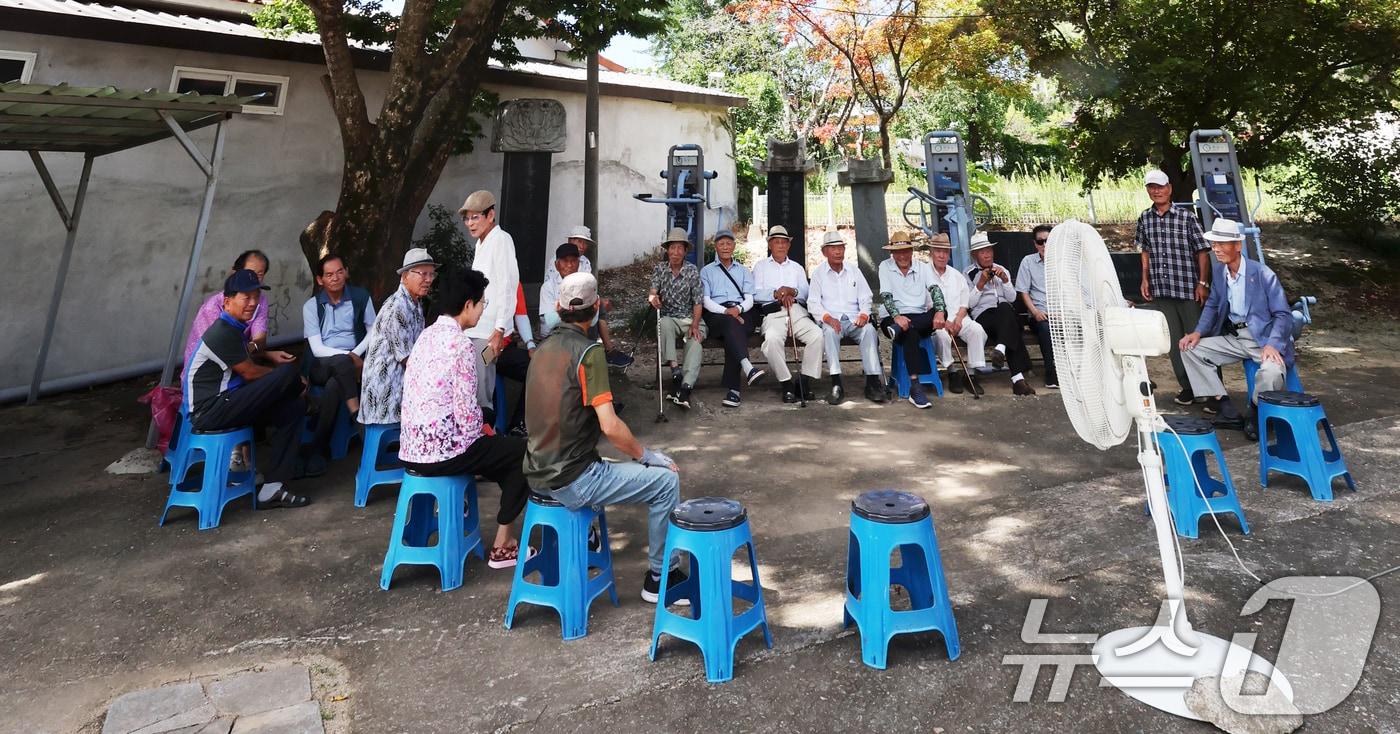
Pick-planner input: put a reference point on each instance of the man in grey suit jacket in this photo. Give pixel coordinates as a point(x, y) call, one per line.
point(1245, 317)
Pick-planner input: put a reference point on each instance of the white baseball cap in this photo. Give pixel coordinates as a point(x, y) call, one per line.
point(1156, 178)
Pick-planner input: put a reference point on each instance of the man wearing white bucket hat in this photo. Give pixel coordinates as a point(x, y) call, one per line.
point(1246, 317)
point(992, 296)
point(390, 340)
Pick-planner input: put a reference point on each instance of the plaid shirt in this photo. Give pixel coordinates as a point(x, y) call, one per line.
point(1171, 242)
point(679, 293)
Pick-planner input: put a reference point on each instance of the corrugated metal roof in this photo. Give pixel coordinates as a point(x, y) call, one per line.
point(100, 120)
point(150, 17)
point(122, 14)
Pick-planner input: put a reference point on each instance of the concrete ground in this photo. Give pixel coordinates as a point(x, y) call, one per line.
point(96, 600)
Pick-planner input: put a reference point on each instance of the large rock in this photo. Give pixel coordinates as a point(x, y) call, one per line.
point(253, 693)
point(1268, 713)
point(159, 710)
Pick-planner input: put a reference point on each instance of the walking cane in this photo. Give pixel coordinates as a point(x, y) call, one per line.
point(801, 390)
point(971, 386)
point(660, 399)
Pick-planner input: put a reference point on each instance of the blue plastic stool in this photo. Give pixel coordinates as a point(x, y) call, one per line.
point(415, 523)
point(1291, 380)
point(1186, 464)
point(882, 521)
point(710, 530)
point(1294, 417)
point(565, 564)
point(341, 436)
point(218, 486)
point(502, 411)
point(374, 454)
point(899, 370)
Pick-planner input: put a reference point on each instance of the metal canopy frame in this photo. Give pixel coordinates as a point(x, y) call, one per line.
point(98, 121)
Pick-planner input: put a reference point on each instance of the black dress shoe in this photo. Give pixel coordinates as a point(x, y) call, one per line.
point(954, 381)
point(875, 393)
point(789, 394)
point(837, 396)
point(1251, 431)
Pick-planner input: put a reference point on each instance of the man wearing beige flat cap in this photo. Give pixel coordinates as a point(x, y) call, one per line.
point(495, 259)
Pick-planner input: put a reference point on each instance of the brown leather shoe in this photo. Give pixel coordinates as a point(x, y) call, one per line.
point(1022, 387)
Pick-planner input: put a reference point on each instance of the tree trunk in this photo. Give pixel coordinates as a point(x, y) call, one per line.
point(974, 143)
point(885, 155)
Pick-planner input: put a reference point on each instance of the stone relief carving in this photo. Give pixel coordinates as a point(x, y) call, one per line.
point(529, 126)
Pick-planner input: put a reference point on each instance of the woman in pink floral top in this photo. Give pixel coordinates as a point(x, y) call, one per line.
point(441, 431)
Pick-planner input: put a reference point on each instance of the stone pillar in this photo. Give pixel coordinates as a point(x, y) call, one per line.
point(867, 180)
point(529, 132)
point(786, 167)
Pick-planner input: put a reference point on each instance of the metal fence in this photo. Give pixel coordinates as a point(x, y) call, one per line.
point(1009, 208)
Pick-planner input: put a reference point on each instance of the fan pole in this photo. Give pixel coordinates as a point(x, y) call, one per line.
point(1151, 462)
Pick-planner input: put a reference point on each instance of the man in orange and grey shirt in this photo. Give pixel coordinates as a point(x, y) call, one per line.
point(568, 407)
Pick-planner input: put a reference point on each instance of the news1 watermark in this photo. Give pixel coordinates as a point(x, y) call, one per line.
point(1323, 649)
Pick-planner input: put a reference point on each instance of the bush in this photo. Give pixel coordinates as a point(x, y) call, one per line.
point(445, 239)
point(1348, 178)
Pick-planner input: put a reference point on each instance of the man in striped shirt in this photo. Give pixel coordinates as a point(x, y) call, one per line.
point(1175, 269)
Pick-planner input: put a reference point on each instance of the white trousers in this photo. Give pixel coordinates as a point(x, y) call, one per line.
point(973, 334)
point(869, 346)
point(776, 342)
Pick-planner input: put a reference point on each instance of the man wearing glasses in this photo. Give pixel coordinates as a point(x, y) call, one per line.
point(391, 339)
point(495, 259)
point(1030, 285)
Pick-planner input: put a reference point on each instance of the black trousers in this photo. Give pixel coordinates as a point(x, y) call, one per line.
point(736, 344)
point(274, 402)
point(514, 363)
point(338, 380)
point(1004, 327)
point(498, 458)
point(1042, 335)
point(920, 326)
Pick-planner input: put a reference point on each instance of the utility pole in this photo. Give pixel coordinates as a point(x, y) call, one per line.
point(590, 152)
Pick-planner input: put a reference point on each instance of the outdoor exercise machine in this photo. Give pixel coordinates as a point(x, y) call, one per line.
point(947, 205)
point(687, 195)
point(1220, 193)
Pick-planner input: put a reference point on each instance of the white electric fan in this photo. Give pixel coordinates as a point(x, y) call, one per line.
point(1100, 346)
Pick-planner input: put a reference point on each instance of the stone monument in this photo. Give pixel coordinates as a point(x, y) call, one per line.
point(867, 180)
point(529, 132)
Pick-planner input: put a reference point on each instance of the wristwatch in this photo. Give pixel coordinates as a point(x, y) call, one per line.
point(1203, 284)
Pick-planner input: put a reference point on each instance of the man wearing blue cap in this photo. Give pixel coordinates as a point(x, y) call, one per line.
point(226, 388)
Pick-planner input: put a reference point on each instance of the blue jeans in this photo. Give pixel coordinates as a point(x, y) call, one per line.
point(608, 483)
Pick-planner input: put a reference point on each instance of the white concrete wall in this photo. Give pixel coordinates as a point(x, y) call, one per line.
point(279, 172)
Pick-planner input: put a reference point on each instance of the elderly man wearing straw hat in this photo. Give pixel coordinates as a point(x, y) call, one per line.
point(677, 293)
point(957, 294)
point(992, 296)
point(840, 299)
point(780, 295)
point(911, 307)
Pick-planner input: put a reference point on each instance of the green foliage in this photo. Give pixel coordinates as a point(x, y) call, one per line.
point(1348, 177)
point(1142, 74)
point(282, 18)
point(444, 239)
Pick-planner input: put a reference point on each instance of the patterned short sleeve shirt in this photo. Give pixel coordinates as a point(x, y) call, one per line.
point(440, 418)
point(680, 292)
point(391, 340)
point(1171, 242)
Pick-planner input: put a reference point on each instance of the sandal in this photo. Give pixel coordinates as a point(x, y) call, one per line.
point(283, 498)
point(506, 556)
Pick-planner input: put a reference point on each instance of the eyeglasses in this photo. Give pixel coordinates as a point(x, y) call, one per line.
point(472, 218)
point(425, 274)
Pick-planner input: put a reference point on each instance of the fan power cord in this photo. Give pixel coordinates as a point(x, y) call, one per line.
point(1233, 551)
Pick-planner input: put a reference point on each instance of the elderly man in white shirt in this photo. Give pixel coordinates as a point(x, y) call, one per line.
point(992, 296)
point(911, 307)
point(840, 298)
point(581, 238)
point(780, 295)
point(495, 259)
point(957, 294)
